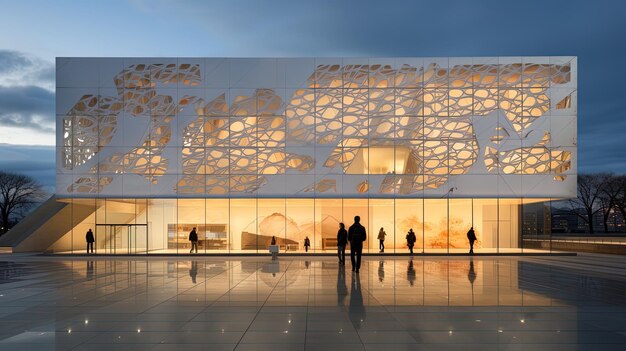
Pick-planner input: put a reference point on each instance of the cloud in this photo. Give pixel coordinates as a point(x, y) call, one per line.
point(26, 93)
point(35, 161)
point(28, 107)
point(19, 69)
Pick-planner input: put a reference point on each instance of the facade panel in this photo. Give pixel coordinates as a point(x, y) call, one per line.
point(247, 149)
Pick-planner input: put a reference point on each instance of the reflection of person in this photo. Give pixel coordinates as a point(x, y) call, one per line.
point(342, 240)
point(410, 240)
point(193, 237)
point(307, 243)
point(410, 273)
point(471, 275)
point(89, 270)
point(342, 290)
point(471, 236)
point(273, 240)
point(381, 239)
point(90, 239)
point(381, 271)
point(356, 236)
point(307, 264)
point(356, 311)
point(193, 271)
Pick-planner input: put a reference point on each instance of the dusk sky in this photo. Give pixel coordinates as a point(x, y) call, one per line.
point(33, 33)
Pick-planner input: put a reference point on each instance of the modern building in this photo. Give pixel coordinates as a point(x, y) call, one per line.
point(245, 149)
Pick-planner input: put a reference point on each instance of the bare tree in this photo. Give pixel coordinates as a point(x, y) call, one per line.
point(18, 193)
point(588, 197)
point(609, 192)
point(620, 200)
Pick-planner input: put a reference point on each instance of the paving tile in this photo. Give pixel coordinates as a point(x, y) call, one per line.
point(511, 303)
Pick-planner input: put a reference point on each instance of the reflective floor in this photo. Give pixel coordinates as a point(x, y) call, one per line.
point(425, 303)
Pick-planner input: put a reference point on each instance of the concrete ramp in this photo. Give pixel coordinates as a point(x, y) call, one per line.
point(44, 226)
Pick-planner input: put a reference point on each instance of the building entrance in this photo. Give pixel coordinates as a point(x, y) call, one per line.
point(121, 239)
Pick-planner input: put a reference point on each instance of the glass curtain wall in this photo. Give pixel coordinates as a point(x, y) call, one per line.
point(139, 226)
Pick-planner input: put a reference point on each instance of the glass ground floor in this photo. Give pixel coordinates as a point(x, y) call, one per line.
point(147, 226)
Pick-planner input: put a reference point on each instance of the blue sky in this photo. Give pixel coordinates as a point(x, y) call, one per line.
point(33, 33)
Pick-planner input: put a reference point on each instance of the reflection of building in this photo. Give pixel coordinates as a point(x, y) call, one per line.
point(247, 149)
point(564, 221)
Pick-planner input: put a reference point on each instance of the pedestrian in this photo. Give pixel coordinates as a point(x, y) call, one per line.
point(342, 240)
point(90, 240)
point(410, 240)
point(307, 243)
point(356, 236)
point(193, 237)
point(471, 236)
point(381, 239)
point(273, 240)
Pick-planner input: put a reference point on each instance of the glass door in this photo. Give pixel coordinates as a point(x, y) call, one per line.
point(121, 239)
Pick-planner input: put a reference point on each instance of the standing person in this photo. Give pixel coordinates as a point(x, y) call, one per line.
point(356, 236)
point(273, 241)
point(342, 240)
point(193, 237)
point(90, 240)
point(410, 240)
point(381, 239)
point(471, 236)
point(307, 243)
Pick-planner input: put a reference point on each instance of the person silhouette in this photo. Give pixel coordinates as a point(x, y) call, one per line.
point(381, 239)
point(381, 271)
point(410, 240)
point(471, 236)
point(90, 240)
point(342, 240)
point(307, 244)
point(410, 273)
point(193, 238)
point(356, 236)
point(193, 271)
point(273, 242)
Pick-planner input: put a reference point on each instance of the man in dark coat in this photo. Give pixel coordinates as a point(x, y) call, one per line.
point(342, 241)
point(90, 240)
point(471, 236)
point(356, 236)
point(193, 237)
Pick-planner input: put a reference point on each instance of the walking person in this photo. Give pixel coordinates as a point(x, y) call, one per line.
point(356, 236)
point(307, 243)
point(90, 240)
point(471, 236)
point(381, 239)
point(193, 237)
point(342, 241)
point(410, 240)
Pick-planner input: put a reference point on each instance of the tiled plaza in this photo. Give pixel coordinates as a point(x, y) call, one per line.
point(301, 303)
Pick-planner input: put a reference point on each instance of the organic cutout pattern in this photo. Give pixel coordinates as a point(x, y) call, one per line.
point(424, 114)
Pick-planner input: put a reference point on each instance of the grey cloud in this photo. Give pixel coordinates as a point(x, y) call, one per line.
point(19, 69)
point(35, 161)
point(27, 107)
